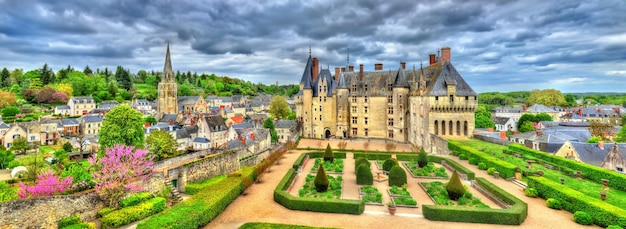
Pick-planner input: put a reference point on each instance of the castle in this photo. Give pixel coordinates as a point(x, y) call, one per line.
point(407, 105)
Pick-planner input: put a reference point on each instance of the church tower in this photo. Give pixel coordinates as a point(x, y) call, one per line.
point(167, 102)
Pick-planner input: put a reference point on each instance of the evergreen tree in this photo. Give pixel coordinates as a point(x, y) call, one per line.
point(328, 154)
point(4, 76)
point(123, 78)
point(422, 158)
point(397, 176)
point(47, 75)
point(455, 187)
point(321, 180)
point(87, 70)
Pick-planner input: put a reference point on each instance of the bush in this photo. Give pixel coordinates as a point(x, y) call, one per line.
point(133, 213)
point(328, 154)
point(74, 219)
point(372, 156)
point(468, 195)
point(104, 211)
point(321, 180)
point(195, 187)
point(505, 169)
point(482, 166)
point(462, 156)
point(491, 171)
point(458, 167)
point(422, 158)
point(135, 199)
point(455, 187)
point(614, 227)
point(397, 176)
point(473, 161)
point(531, 192)
point(583, 218)
point(389, 163)
point(364, 175)
point(361, 161)
point(81, 226)
point(553, 203)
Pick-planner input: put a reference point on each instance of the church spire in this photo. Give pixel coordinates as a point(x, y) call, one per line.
point(168, 74)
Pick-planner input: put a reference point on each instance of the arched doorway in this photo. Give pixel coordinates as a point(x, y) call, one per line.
point(327, 133)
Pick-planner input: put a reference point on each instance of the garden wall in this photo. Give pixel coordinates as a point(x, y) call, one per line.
point(438, 145)
point(492, 140)
point(32, 213)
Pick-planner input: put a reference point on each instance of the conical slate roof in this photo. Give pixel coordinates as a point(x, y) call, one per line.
point(168, 74)
point(307, 74)
point(342, 82)
point(400, 79)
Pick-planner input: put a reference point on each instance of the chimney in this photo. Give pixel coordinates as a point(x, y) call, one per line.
point(343, 69)
point(432, 58)
point(316, 69)
point(351, 68)
point(601, 145)
point(580, 112)
point(337, 73)
point(503, 135)
point(361, 72)
point(252, 136)
point(403, 64)
point(524, 108)
point(378, 66)
point(539, 133)
point(445, 55)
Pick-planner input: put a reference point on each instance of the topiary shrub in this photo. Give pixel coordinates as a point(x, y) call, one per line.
point(74, 219)
point(583, 218)
point(553, 203)
point(482, 166)
point(364, 175)
point(397, 176)
point(321, 180)
point(473, 161)
point(468, 195)
point(462, 157)
point(422, 158)
point(328, 154)
point(614, 227)
point(491, 171)
point(531, 192)
point(361, 161)
point(455, 187)
point(389, 163)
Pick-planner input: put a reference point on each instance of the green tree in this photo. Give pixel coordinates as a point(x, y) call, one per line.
point(621, 135)
point(270, 125)
point(10, 111)
point(397, 176)
point(526, 126)
point(122, 125)
point(6, 157)
point(328, 154)
point(422, 158)
point(150, 119)
point(525, 118)
point(122, 76)
point(184, 90)
point(321, 180)
point(20, 144)
point(482, 118)
point(570, 100)
point(142, 74)
point(87, 70)
point(364, 175)
point(594, 139)
point(161, 144)
point(455, 187)
point(542, 117)
point(279, 108)
point(4, 77)
point(47, 75)
point(548, 97)
point(67, 146)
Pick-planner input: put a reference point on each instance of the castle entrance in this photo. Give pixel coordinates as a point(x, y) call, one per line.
point(327, 133)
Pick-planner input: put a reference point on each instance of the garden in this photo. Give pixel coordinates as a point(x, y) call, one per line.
point(371, 195)
point(430, 170)
point(335, 166)
point(401, 197)
point(309, 188)
point(437, 191)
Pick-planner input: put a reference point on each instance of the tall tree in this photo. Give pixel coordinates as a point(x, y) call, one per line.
point(482, 118)
point(87, 70)
point(47, 75)
point(548, 97)
point(142, 74)
point(161, 144)
point(279, 108)
point(122, 125)
point(4, 76)
point(7, 98)
point(20, 144)
point(122, 76)
point(6, 156)
point(270, 125)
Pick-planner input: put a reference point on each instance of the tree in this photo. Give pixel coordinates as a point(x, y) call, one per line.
point(10, 111)
point(364, 175)
point(321, 180)
point(594, 139)
point(117, 170)
point(4, 77)
point(65, 88)
point(58, 97)
point(422, 158)
point(526, 126)
point(112, 89)
point(570, 100)
point(542, 117)
point(482, 118)
point(184, 90)
point(47, 185)
point(6, 156)
point(279, 108)
point(150, 119)
point(397, 176)
point(621, 135)
point(161, 144)
point(390, 162)
point(7, 98)
point(599, 129)
point(45, 95)
point(122, 125)
point(47, 75)
point(122, 77)
point(455, 187)
point(328, 154)
point(548, 97)
point(20, 144)
point(142, 74)
point(67, 146)
point(268, 123)
point(87, 70)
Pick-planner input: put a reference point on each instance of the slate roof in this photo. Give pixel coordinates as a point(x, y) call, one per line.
point(187, 100)
point(307, 75)
point(82, 99)
point(446, 75)
point(285, 124)
point(324, 76)
point(539, 108)
point(500, 120)
point(93, 118)
point(4, 125)
point(507, 110)
point(167, 117)
point(215, 123)
point(401, 80)
point(192, 129)
point(182, 133)
point(69, 122)
point(201, 140)
point(591, 154)
point(243, 125)
point(63, 107)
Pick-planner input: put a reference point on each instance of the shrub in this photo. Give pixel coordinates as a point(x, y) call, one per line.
point(397, 176)
point(462, 156)
point(468, 195)
point(135, 199)
point(491, 171)
point(482, 166)
point(74, 219)
point(195, 187)
point(455, 187)
point(364, 175)
point(81, 226)
point(505, 169)
point(361, 161)
point(553, 203)
point(473, 161)
point(328, 154)
point(389, 163)
point(458, 167)
point(104, 211)
point(321, 180)
point(133, 213)
point(531, 192)
point(583, 218)
point(614, 227)
point(422, 158)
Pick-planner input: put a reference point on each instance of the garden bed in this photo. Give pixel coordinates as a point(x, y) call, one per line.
point(335, 167)
point(401, 197)
point(370, 195)
point(429, 171)
point(333, 192)
point(437, 192)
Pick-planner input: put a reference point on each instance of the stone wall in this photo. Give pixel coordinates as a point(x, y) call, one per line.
point(438, 145)
point(180, 159)
point(32, 213)
point(492, 140)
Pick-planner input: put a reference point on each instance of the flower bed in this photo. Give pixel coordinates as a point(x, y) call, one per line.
point(396, 191)
point(371, 195)
point(333, 192)
point(437, 191)
point(401, 197)
point(429, 171)
point(330, 167)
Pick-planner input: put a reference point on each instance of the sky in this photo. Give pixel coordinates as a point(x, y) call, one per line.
point(573, 46)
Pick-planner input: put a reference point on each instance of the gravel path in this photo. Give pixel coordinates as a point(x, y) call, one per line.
point(259, 206)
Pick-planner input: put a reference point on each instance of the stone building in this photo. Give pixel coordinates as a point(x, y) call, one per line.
point(406, 105)
point(167, 101)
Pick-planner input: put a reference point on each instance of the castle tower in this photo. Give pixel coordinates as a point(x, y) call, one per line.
point(400, 107)
point(342, 108)
point(304, 99)
point(167, 102)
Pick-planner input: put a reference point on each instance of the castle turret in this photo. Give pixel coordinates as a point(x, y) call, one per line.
point(398, 130)
point(304, 99)
point(342, 107)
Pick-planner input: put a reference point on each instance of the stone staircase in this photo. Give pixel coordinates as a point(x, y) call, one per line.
point(521, 184)
point(176, 197)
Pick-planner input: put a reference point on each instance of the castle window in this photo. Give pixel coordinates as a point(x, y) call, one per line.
point(353, 120)
point(366, 132)
point(390, 99)
point(451, 98)
point(354, 131)
point(389, 110)
point(365, 120)
point(324, 88)
point(365, 87)
point(320, 108)
point(390, 87)
point(365, 99)
point(354, 88)
point(354, 109)
point(320, 117)
point(390, 122)
point(366, 110)
point(390, 134)
point(466, 98)
point(320, 98)
point(354, 99)
point(436, 97)
point(324, 98)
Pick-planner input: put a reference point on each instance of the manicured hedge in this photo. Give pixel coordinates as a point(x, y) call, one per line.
point(320, 154)
point(372, 156)
point(133, 213)
point(81, 226)
point(282, 197)
point(506, 169)
point(515, 215)
point(299, 161)
point(459, 168)
point(73, 219)
point(195, 187)
point(135, 199)
point(603, 214)
point(202, 207)
point(616, 180)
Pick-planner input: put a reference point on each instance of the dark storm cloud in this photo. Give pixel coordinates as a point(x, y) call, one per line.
point(494, 44)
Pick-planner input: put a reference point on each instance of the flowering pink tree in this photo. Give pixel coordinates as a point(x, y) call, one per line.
point(47, 185)
point(58, 97)
point(119, 171)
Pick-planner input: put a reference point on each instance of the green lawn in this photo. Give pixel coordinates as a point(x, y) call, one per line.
point(277, 226)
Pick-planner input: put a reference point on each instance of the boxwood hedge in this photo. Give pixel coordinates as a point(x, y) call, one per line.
point(458, 167)
point(131, 214)
point(514, 215)
point(505, 169)
point(603, 214)
point(372, 156)
point(135, 199)
point(616, 180)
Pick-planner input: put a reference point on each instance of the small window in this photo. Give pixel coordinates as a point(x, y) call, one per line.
point(365, 120)
point(366, 132)
point(365, 99)
point(354, 131)
point(390, 99)
point(436, 97)
point(390, 133)
point(366, 110)
point(354, 120)
point(390, 122)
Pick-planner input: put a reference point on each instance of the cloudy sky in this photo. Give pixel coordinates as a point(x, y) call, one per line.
point(496, 45)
